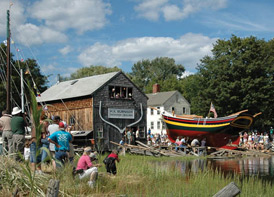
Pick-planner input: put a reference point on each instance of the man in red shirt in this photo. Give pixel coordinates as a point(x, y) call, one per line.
point(110, 162)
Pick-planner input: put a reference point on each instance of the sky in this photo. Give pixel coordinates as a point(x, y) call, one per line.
point(65, 35)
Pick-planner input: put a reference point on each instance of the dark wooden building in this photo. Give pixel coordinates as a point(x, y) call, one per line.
point(100, 106)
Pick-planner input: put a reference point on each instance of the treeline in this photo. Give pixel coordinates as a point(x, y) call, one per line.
point(238, 76)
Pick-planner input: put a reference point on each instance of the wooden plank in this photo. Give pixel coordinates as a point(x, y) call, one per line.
point(53, 188)
point(230, 190)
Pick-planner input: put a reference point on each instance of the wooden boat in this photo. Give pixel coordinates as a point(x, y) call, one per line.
point(219, 132)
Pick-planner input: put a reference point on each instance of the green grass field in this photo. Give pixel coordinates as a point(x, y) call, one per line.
point(136, 176)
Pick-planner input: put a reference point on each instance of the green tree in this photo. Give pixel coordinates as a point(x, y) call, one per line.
point(161, 70)
point(34, 75)
point(90, 71)
point(238, 76)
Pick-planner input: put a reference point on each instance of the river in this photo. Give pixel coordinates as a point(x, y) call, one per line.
point(263, 167)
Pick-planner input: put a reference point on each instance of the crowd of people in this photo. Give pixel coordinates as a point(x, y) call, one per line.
point(256, 140)
point(53, 147)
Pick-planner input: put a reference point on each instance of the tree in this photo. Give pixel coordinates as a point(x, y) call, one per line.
point(32, 74)
point(238, 76)
point(161, 70)
point(90, 71)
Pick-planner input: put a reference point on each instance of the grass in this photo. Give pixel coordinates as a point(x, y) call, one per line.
point(137, 176)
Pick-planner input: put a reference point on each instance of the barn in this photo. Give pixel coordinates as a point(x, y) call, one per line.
point(99, 108)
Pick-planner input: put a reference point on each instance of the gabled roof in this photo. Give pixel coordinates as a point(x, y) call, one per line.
point(159, 98)
point(76, 88)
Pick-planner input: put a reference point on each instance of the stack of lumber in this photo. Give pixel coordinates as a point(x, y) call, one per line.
point(236, 153)
point(143, 149)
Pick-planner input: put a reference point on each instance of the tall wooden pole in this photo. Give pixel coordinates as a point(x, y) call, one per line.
point(22, 91)
point(8, 65)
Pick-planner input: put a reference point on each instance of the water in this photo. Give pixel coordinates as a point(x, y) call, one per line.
point(263, 167)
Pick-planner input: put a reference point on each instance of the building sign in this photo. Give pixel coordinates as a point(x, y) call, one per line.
point(121, 113)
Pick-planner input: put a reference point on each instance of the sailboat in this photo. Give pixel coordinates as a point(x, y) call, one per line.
point(220, 132)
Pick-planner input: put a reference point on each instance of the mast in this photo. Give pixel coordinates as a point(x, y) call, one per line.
point(22, 91)
point(8, 65)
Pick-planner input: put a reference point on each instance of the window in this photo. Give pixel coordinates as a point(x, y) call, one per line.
point(100, 133)
point(71, 120)
point(152, 125)
point(151, 111)
point(158, 110)
point(119, 92)
point(142, 133)
point(163, 125)
point(184, 110)
point(158, 125)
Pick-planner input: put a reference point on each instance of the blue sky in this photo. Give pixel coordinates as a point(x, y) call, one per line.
point(66, 35)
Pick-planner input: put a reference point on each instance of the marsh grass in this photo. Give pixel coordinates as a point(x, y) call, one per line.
point(137, 176)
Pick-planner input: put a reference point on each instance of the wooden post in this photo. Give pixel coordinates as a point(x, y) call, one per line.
point(53, 188)
point(230, 190)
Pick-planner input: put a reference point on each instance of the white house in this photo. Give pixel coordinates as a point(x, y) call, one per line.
point(158, 102)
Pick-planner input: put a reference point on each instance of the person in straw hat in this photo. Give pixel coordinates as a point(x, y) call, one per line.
point(18, 124)
point(86, 168)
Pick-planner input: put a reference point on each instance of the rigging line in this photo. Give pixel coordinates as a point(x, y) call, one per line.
point(29, 68)
point(18, 74)
point(3, 78)
point(72, 115)
point(16, 69)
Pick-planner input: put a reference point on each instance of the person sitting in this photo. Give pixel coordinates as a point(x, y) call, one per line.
point(85, 167)
point(194, 144)
point(110, 162)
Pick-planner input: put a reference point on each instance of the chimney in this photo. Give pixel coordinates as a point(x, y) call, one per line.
point(156, 88)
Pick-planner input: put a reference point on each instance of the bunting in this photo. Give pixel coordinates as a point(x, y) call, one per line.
point(5, 42)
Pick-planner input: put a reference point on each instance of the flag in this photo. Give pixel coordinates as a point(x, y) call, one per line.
point(27, 72)
point(212, 109)
point(5, 42)
point(38, 94)
point(45, 107)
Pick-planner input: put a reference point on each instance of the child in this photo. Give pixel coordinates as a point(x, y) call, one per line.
point(110, 162)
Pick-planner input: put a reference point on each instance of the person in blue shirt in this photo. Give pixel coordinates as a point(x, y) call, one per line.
point(61, 139)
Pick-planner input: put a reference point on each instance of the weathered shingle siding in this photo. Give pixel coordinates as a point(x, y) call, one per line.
point(111, 133)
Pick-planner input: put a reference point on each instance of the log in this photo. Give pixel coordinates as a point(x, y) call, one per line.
point(230, 190)
point(53, 188)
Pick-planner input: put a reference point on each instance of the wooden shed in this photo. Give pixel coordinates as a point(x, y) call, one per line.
point(103, 105)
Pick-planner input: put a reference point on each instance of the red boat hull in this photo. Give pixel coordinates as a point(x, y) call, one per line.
point(221, 133)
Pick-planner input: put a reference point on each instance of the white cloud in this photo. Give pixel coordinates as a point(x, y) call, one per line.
point(64, 51)
point(31, 34)
point(149, 9)
point(187, 50)
point(152, 9)
point(238, 23)
point(187, 73)
point(81, 15)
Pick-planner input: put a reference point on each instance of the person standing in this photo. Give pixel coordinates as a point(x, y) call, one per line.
point(129, 136)
point(44, 137)
point(18, 124)
point(5, 126)
point(271, 134)
point(61, 140)
point(51, 129)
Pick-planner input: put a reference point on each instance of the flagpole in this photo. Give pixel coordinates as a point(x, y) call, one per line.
point(22, 91)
